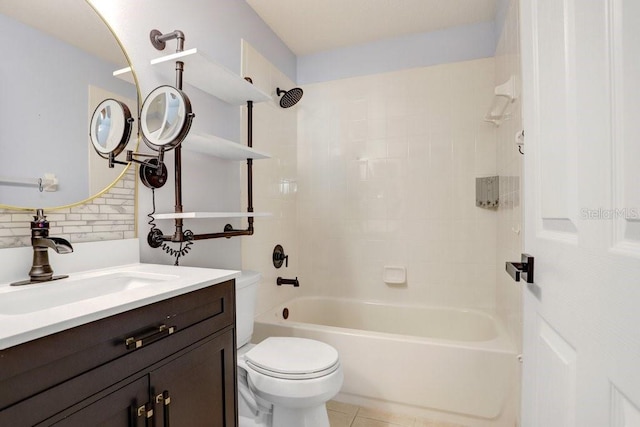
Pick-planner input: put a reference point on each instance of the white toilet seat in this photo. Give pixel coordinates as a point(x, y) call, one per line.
point(292, 358)
point(283, 373)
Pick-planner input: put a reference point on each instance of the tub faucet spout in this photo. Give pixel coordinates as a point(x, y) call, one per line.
point(294, 282)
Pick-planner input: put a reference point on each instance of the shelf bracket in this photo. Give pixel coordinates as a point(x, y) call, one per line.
point(156, 238)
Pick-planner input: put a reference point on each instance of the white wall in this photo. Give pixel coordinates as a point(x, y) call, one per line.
point(36, 138)
point(387, 166)
point(444, 46)
point(274, 184)
point(509, 166)
point(215, 27)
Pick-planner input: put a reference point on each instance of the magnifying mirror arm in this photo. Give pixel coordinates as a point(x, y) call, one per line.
point(113, 161)
point(159, 157)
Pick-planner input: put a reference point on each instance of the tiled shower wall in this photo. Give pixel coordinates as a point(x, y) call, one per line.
point(386, 177)
point(509, 166)
point(274, 183)
point(108, 217)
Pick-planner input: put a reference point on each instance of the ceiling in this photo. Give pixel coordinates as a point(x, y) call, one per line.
point(311, 26)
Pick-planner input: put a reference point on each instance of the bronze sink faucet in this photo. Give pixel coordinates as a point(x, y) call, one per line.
point(41, 270)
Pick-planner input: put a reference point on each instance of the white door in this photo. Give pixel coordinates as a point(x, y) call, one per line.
point(581, 109)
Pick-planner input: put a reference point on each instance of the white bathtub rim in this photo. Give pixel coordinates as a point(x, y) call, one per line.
point(502, 343)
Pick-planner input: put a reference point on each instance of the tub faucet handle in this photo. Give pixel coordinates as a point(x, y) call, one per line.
point(279, 257)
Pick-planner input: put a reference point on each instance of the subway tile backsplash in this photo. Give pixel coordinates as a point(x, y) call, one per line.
point(108, 217)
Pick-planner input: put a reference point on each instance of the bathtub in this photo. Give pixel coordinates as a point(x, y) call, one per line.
point(437, 359)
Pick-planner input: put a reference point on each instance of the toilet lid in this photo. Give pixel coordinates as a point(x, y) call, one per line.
point(286, 357)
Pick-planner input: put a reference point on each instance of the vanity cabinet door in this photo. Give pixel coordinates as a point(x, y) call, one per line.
point(117, 409)
point(200, 386)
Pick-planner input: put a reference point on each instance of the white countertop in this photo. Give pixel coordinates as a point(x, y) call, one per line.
point(25, 316)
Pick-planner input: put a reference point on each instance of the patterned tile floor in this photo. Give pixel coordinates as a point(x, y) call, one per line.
point(345, 415)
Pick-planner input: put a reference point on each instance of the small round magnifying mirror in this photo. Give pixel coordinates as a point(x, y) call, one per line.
point(110, 127)
point(165, 118)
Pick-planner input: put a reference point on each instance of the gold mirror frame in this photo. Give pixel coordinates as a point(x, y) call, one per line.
point(136, 143)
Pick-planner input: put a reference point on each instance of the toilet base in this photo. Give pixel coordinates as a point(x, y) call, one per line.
point(250, 422)
point(285, 417)
point(307, 417)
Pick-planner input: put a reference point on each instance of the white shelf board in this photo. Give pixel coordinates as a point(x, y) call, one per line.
point(212, 78)
point(125, 74)
point(220, 147)
point(203, 215)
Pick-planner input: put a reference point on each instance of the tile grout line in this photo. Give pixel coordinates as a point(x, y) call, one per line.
point(353, 420)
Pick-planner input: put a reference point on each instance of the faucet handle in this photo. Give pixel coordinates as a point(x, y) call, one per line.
point(39, 225)
point(279, 257)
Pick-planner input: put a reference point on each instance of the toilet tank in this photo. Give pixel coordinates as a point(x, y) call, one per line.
point(246, 295)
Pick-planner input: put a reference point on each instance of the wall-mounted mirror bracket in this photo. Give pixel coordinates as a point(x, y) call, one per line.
point(153, 172)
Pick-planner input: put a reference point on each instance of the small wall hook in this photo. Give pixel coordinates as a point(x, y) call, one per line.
point(520, 141)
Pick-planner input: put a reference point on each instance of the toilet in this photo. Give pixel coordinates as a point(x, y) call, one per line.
point(282, 381)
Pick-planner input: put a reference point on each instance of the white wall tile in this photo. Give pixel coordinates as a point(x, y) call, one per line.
point(410, 187)
point(509, 168)
point(276, 132)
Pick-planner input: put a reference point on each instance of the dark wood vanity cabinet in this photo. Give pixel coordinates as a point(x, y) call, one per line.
point(171, 365)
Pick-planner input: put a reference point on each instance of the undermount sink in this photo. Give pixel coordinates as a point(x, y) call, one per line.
point(37, 297)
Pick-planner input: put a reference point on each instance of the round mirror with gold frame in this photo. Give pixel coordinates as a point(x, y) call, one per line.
point(58, 65)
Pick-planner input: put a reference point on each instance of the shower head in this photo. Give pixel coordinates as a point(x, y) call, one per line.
point(290, 98)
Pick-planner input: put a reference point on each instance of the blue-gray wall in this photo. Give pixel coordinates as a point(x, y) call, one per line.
point(461, 43)
point(416, 50)
point(44, 106)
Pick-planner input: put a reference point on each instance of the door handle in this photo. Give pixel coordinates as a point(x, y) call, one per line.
point(523, 269)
